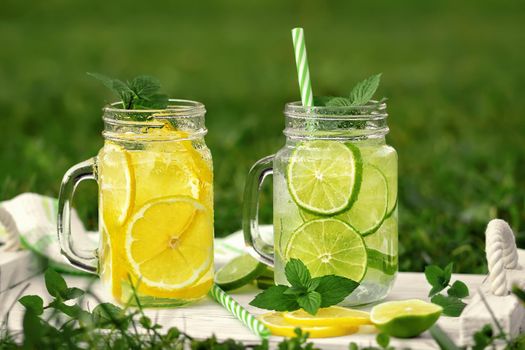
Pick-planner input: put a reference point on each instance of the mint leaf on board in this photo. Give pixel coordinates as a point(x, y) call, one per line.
point(297, 273)
point(452, 306)
point(33, 303)
point(458, 289)
point(274, 298)
point(306, 292)
point(310, 302)
point(334, 289)
point(142, 92)
point(363, 91)
point(447, 273)
point(436, 277)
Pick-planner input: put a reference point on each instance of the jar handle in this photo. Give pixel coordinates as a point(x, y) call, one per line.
point(256, 246)
point(82, 171)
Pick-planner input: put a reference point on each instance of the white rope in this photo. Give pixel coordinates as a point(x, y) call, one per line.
point(502, 254)
point(12, 242)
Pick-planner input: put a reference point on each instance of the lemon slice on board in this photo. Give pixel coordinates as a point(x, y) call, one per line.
point(278, 325)
point(330, 316)
point(169, 242)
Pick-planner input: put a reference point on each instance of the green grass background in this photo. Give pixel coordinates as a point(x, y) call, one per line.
point(453, 71)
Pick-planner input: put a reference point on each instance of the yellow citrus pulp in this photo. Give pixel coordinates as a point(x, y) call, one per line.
point(279, 325)
point(156, 209)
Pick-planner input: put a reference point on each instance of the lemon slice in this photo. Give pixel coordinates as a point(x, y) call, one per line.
point(330, 316)
point(169, 242)
point(278, 325)
point(117, 183)
point(161, 173)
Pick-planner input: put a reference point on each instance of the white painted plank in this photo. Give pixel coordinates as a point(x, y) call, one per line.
point(206, 317)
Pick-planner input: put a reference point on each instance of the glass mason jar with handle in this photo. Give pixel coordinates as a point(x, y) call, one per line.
point(334, 198)
point(155, 205)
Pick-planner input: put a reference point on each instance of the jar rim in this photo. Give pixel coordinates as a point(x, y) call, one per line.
point(372, 110)
point(177, 108)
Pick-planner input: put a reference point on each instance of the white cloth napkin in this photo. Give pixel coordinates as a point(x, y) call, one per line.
point(31, 220)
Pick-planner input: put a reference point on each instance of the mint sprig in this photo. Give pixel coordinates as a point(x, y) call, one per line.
point(439, 279)
point(304, 292)
point(141, 92)
point(360, 95)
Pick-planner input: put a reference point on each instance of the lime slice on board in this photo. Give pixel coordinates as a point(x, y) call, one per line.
point(329, 316)
point(329, 247)
point(405, 318)
point(279, 326)
point(324, 176)
point(238, 272)
point(369, 210)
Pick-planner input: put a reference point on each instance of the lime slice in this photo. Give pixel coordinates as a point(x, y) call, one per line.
point(370, 208)
point(406, 318)
point(324, 176)
point(238, 272)
point(330, 316)
point(385, 159)
point(385, 239)
point(329, 247)
point(264, 282)
point(279, 326)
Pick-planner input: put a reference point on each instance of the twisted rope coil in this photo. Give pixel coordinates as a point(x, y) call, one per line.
point(502, 254)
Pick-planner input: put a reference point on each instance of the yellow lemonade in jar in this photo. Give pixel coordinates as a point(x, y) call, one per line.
point(156, 217)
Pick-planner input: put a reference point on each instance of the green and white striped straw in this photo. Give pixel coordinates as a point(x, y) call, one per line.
point(249, 320)
point(303, 73)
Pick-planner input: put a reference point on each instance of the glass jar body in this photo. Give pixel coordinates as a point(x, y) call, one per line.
point(380, 238)
point(168, 257)
point(155, 178)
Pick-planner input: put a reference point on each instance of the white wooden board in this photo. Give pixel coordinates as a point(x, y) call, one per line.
point(206, 317)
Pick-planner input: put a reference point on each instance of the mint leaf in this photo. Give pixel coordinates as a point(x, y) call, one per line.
point(142, 92)
point(447, 273)
point(297, 273)
point(452, 306)
point(382, 339)
point(107, 315)
point(321, 101)
point(310, 302)
point(274, 298)
point(334, 289)
point(55, 284)
point(33, 303)
point(295, 291)
point(519, 293)
point(338, 102)
point(306, 292)
point(436, 277)
point(144, 85)
point(458, 289)
point(72, 293)
point(364, 90)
